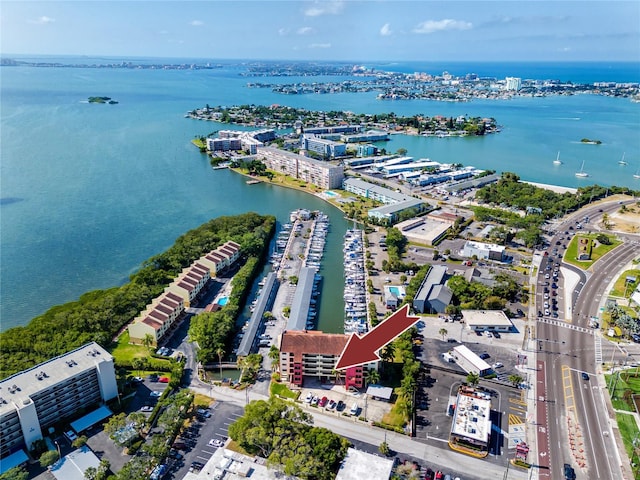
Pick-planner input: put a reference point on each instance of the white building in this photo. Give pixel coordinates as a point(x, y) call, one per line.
point(316, 172)
point(482, 320)
point(483, 251)
point(471, 425)
point(33, 400)
point(362, 465)
point(469, 361)
point(513, 83)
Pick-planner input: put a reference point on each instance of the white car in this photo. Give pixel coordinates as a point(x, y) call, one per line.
point(214, 442)
point(147, 408)
point(497, 365)
point(309, 397)
point(155, 394)
point(315, 400)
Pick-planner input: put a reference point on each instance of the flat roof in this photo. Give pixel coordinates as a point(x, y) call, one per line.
point(470, 356)
point(492, 247)
point(383, 191)
point(263, 303)
point(301, 300)
point(18, 388)
point(73, 466)
point(380, 391)
point(13, 460)
point(424, 229)
point(472, 415)
point(490, 318)
point(362, 465)
point(91, 419)
point(397, 207)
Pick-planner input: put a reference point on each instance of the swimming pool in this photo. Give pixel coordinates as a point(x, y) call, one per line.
point(329, 193)
point(222, 301)
point(397, 291)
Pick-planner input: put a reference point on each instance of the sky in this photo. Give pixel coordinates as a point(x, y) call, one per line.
point(341, 30)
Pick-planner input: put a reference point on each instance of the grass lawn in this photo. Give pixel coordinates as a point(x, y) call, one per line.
point(623, 289)
point(283, 391)
point(124, 352)
point(395, 417)
point(597, 252)
point(628, 432)
point(629, 381)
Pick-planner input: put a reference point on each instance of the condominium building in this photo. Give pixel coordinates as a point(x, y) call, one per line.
point(322, 174)
point(375, 192)
point(190, 282)
point(156, 319)
point(315, 354)
point(323, 147)
point(513, 83)
point(34, 400)
point(223, 144)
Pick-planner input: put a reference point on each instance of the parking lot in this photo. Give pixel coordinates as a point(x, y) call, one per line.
point(197, 438)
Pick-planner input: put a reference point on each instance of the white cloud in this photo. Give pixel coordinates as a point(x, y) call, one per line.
point(320, 45)
point(283, 32)
point(304, 31)
point(196, 23)
point(43, 20)
point(326, 8)
point(385, 31)
point(431, 26)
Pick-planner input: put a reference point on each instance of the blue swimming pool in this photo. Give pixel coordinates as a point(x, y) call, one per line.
point(394, 290)
point(329, 193)
point(222, 301)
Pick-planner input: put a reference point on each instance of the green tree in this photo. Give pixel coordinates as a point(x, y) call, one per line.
point(15, 473)
point(220, 353)
point(148, 340)
point(443, 331)
point(473, 378)
point(515, 380)
point(384, 449)
point(274, 356)
point(79, 442)
point(49, 458)
point(371, 377)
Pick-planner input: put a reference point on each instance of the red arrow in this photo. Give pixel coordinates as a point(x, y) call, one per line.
point(361, 350)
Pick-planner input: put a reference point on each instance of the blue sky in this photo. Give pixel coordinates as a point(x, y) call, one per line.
point(326, 30)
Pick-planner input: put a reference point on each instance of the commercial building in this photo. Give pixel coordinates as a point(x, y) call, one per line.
point(49, 393)
point(362, 465)
point(316, 172)
point(375, 192)
point(483, 251)
point(487, 320)
point(391, 213)
point(433, 296)
point(473, 183)
point(469, 361)
point(427, 230)
point(264, 303)
point(471, 425)
point(315, 354)
point(323, 147)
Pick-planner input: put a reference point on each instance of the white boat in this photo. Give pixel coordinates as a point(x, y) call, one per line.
point(637, 174)
point(582, 173)
point(557, 160)
point(622, 162)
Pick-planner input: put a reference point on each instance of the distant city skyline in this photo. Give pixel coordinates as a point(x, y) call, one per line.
point(358, 31)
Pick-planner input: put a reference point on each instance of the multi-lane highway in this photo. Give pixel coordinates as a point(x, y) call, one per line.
point(573, 422)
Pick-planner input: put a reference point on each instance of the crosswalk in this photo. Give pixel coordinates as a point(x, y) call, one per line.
point(559, 323)
point(597, 340)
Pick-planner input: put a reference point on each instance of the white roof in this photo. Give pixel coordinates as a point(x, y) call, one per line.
point(73, 466)
point(358, 464)
point(471, 357)
point(489, 318)
point(471, 418)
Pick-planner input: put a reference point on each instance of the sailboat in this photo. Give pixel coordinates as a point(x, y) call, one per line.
point(582, 173)
point(637, 174)
point(557, 160)
point(622, 162)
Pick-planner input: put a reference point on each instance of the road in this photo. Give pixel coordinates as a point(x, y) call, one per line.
point(574, 423)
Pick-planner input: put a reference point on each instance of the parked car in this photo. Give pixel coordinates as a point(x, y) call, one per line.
point(497, 365)
point(354, 409)
point(147, 408)
point(163, 379)
point(323, 401)
point(155, 394)
point(214, 442)
point(315, 400)
point(71, 435)
point(309, 397)
point(340, 405)
point(584, 376)
point(484, 355)
point(496, 335)
point(332, 404)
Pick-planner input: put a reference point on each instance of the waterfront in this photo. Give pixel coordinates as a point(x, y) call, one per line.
point(90, 191)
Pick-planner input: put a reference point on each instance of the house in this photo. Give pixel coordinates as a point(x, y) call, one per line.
point(433, 296)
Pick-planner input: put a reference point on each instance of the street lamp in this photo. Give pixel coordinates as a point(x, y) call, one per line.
point(58, 446)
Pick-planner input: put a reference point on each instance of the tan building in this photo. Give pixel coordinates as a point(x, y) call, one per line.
point(157, 318)
point(316, 172)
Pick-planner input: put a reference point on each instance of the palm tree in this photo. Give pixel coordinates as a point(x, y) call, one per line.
point(148, 340)
point(220, 353)
point(473, 379)
point(274, 356)
point(515, 380)
point(336, 375)
point(372, 377)
point(443, 331)
point(137, 363)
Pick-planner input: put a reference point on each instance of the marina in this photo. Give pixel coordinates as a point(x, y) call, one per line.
point(355, 288)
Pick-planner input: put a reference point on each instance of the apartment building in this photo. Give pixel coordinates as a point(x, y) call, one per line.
point(323, 147)
point(157, 318)
point(322, 174)
point(315, 354)
point(33, 400)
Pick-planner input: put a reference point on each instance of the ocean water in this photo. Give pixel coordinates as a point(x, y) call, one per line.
point(89, 191)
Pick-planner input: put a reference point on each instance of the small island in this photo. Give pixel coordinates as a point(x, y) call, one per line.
point(590, 142)
point(102, 100)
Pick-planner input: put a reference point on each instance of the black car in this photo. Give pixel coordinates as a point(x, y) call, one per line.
point(484, 356)
point(569, 472)
point(540, 313)
point(340, 406)
point(584, 376)
point(520, 312)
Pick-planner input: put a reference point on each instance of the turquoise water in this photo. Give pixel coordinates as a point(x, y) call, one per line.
point(331, 194)
point(90, 191)
point(222, 301)
point(394, 290)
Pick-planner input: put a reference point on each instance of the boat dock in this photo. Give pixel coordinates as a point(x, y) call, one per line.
point(355, 286)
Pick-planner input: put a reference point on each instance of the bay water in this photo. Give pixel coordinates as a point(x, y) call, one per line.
point(89, 191)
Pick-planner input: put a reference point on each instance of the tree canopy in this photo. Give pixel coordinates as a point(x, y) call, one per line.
point(282, 433)
point(100, 314)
